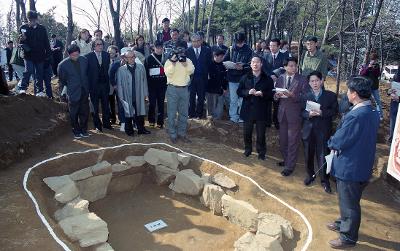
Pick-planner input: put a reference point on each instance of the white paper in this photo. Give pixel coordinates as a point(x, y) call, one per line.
point(329, 159)
point(312, 106)
point(396, 86)
point(277, 89)
point(155, 225)
point(154, 71)
point(229, 65)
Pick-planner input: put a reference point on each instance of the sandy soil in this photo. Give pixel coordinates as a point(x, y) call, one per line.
point(380, 228)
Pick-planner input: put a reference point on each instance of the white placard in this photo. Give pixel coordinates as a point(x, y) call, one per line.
point(394, 157)
point(312, 106)
point(155, 225)
point(154, 71)
point(329, 159)
point(229, 65)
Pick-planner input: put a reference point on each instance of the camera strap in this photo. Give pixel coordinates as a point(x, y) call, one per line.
point(158, 61)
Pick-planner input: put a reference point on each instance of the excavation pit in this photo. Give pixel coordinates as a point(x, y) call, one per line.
point(137, 196)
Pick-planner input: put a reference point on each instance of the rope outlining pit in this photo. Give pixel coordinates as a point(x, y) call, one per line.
point(66, 248)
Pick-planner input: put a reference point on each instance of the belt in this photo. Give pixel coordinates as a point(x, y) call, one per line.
point(178, 86)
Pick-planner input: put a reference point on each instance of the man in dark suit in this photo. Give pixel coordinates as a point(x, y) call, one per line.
point(256, 90)
point(317, 128)
point(354, 147)
point(201, 57)
point(289, 115)
point(57, 49)
point(98, 66)
point(72, 74)
point(274, 61)
point(9, 52)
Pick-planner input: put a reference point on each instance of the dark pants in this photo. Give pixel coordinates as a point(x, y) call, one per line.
point(349, 194)
point(111, 101)
point(315, 145)
point(10, 72)
point(289, 140)
point(394, 106)
point(138, 120)
point(248, 136)
point(156, 98)
point(47, 74)
point(100, 97)
point(121, 112)
point(56, 60)
point(275, 105)
point(35, 69)
point(197, 88)
point(79, 114)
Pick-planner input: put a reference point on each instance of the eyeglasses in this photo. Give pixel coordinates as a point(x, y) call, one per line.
point(99, 44)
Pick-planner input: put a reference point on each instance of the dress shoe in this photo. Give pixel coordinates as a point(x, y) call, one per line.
point(99, 130)
point(144, 131)
point(160, 126)
point(333, 227)
point(261, 157)
point(184, 139)
point(172, 139)
point(282, 163)
point(308, 181)
point(286, 172)
point(246, 153)
point(327, 187)
point(341, 244)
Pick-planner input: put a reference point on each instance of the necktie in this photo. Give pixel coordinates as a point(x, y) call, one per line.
point(197, 53)
point(289, 82)
point(273, 60)
point(99, 58)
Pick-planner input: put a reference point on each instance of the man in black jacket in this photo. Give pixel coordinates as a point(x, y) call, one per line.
point(57, 49)
point(99, 87)
point(157, 85)
point(217, 86)
point(200, 55)
point(35, 43)
point(240, 54)
point(9, 51)
point(317, 128)
point(256, 90)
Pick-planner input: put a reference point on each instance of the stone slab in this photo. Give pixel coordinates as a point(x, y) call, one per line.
point(94, 188)
point(240, 212)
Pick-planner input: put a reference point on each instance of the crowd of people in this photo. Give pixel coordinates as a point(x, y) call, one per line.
point(264, 87)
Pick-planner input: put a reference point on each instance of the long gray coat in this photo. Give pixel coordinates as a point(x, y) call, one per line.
point(124, 86)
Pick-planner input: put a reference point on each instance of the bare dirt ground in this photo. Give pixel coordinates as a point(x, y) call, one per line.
point(21, 229)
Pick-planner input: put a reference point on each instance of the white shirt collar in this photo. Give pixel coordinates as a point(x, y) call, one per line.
point(361, 104)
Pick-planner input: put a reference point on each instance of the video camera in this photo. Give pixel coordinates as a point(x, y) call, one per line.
point(179, 52)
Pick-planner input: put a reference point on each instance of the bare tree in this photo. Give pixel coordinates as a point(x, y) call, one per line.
point(140, 22)
point(70, 25)
point(341, 34)
point(115, 14)
point(32, 5)
point(94, 19)
point(371, 30)
point(329, 16)
point(150, 6)
point(210, 19)
point(18, 14)
point(203, 5)
point(196, 15)
point(21, 7)
point(271, 20)
point(357, 24)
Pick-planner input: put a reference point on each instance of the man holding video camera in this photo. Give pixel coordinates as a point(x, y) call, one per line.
point(178, 69)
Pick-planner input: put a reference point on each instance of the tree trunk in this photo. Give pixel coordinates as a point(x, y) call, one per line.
point(149, 4)
point(196, 16)
point(370, 33)
point(381, 50)
point(32, 5)
point(355, 50)
point(314, 17)
point(209, 20)
point(271, 19)
point(140, 18)
point(115, 18)
point(188, 15)
point(70, 27)
point(18, 13)
point(204, 5)
point(329, 18)
point(23, 10)
point(338, 70)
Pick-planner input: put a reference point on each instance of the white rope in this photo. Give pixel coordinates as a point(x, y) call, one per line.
point(66, 248)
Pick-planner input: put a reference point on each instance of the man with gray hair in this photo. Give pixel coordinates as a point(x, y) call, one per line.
point(201, 57)
point(132, 93)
